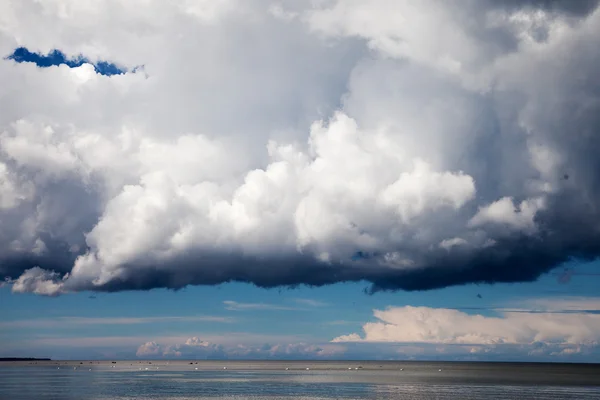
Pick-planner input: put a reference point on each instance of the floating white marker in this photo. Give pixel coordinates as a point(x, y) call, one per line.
point(224, 367)
point(355, 368)
point(307, 369)
point(196, 368)
point(58, 368)
point(440, 370)
point(287, 369)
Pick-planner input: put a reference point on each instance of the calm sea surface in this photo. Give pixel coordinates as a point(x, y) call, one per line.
point(271, 380)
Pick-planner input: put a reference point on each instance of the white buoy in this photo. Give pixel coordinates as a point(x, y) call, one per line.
point(224, 367)
point(58, 368)
point(196, 368)
point(287, 369)
point(308, 369)
point(440, 370)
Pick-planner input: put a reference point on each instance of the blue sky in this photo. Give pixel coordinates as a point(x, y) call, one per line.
point(56, 57)
point(204, 180)
point(303, 314)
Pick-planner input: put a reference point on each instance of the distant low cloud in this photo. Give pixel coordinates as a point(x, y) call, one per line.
point(564, 304)
point(311, 302)
point(62, 322)
point(237, 306)
point(195, 347)
point(148, 349)
point(547, 333)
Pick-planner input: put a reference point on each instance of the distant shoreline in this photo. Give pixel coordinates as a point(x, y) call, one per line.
point(8, 359)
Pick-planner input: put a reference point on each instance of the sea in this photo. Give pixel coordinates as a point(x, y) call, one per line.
point(300, 380)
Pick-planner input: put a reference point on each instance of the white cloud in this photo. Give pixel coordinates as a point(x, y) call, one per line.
point(224, 338)
point(196, 347)
point(453, 327)
point(237, 306)
point(61, 322)
point(563, 304)
point(266, 143)
point(148, 349)
point(12, 192)
point(423, 190)
point(38, 281)
point(38, 147)
point(449, 243)
point(311, 302)
point(505, 212)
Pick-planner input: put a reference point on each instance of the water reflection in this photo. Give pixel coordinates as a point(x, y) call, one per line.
point(182, 382)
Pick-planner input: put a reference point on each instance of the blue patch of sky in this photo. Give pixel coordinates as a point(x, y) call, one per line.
point(57, 57)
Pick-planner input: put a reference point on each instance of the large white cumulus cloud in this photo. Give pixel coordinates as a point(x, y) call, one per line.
point(297, 142)
point(553, 328)
point(443, 326)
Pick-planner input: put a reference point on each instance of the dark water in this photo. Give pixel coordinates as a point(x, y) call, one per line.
point(270, 380)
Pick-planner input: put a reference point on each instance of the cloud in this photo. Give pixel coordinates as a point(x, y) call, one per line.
point(236, 306)
point(62, 322)
point(127, 343)
point(38, 281)
point(541, 333)
point(341, 322)
point(565, 304)
point(313, 143)
point(194, 347)
point(148, 349)
point(311, 302)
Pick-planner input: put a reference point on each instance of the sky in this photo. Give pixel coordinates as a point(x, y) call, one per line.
point(327, 179)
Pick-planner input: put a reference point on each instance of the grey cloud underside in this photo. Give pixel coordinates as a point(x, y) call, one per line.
point(519, 260)
point(442, 157)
